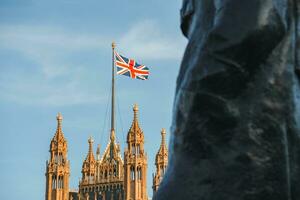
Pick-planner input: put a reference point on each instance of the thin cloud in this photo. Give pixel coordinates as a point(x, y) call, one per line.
point(48, 36)
point(147, 40)
point(48, 47)
point(36, 91)
point(54, 79)
point(51, 50)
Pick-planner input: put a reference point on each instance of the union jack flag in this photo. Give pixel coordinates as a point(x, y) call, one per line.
point(129, 67)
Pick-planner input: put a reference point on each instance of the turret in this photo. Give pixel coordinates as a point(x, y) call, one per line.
point(58, 167)
point(161, 161)
point(135, 164)
point(89, 165)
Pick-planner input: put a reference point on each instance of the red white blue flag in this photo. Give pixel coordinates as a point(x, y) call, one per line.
point(129, 67)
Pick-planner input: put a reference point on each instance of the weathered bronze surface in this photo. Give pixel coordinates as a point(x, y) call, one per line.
point(236, 123)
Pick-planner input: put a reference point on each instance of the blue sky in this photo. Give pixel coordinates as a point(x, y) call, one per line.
point(55, 56)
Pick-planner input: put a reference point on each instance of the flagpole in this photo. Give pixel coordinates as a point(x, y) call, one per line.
point(113, 45)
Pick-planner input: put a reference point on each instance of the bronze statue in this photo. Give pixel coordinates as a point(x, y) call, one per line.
point(236, 123)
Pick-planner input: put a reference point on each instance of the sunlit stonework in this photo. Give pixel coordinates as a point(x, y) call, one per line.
point(106, 177)
point(58, 167)
point(161, 162)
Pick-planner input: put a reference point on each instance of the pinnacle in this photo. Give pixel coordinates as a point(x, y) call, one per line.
point(163, 147)
point(91, 141)
point(59, 134)
point(98, 149)
point(135, 112)
point(113, 45)
point(59, 116)
point(90, 155)
point(135, 107)
point(163, 134)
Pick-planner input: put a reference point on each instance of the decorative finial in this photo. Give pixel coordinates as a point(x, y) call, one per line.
point(59, 116)
point(90, 140)
point(163, 134)
point(135, 111)
point(135, 107)
point(59, 120)
point(113, 45)
point(90, 145)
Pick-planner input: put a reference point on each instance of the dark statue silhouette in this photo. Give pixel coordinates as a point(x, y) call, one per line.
point(236, 123)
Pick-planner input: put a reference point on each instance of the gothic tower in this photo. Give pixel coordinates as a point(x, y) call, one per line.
point(161, 162)
point(58, 167)
point(135, 163)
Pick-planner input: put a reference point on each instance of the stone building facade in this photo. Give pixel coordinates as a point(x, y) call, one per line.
point(106, 177)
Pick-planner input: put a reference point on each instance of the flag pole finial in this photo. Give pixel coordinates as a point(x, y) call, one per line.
point(113, 45)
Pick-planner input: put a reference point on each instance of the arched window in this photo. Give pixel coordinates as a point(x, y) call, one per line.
point(62, 182)
point(139, 173)
point(91, 176)
point(138, 150)
point(60, 158)
point(54, 182)
point(115, 170)
point(132, 173)
point(58, 182)
point(133, 149)
point(55, 159)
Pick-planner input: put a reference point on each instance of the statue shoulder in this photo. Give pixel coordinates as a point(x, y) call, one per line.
point(186, 12)
point(187, 8)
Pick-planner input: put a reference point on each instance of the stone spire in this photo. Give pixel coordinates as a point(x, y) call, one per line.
point(59, 136)
point(58, 168)
point(135, 123)
point(163, 150)
point(98, 152)
point(135, 131)
point(89, 165)
point(161, 161)
point(90, 157)
point(135, 112)
point(135, 163)
point(58, 143)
